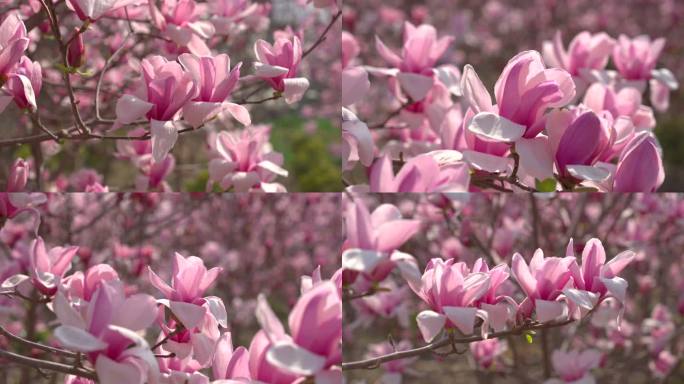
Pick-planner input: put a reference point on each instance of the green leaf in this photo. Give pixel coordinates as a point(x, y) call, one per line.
point(529, 338)
point(546, 185)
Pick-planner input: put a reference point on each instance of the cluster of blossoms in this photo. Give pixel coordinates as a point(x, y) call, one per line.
point(187, 84)
point(558, 121)
point(109, 331)
point(462, 296)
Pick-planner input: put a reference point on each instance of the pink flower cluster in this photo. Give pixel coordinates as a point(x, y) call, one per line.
point(557, 121)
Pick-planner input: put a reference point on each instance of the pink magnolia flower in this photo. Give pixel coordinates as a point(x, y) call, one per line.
point(92, 10)
point(18, 176)
point(437, 171)
point(542, 282)
point(523, 93)
point(355, 83)
point(83, 286)
point(230, 363)
point(179, 21)
point(139, 152)
point(107, 333)
point(486, 352)
point(166, 89)
point(259, 367)
point(307, 352)
point(579, 138)
point(48, 267)
point(500, 308)
point(244, 161)
point(640, 166)
point(278, 65)
point(636, 58)
point(173, 370)
point(662, 364)
point(596, 279)
point(574, 366)
point(13, 43)
point(190, 280)
point(625, 102)
point(13, 203)
point(586, 51)
point(76, 52)
point(372, 238)
point(451, 291)
point(24, 83)
point(215, 81)
point(357, 145)
point(234, 16)
point(415, 68)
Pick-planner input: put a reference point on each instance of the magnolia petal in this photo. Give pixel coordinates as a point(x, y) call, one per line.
point(197, 113)
point(474, 92)
point(218, 309)
point(267, 319)
point(492, 127)
point(550, 310)
point(293, 358)
point(130, 108)
point(190, 315)
point(488, 163)
point(408, 267)
point(239, 112)
point(202, 348)
point(66, 314)
point(164, 136)
point(462, 317)
point(665, 76)
point(268, 71)
point(584, 299)
point(361, 260)
point(616, 286)
point(140, 312)
point(589, 173)
point(535, 158)
point(416, 86)
point(272, 168)
point(430, 324)
point(111, 372)
point(617, 263)
point(497, 315)
point(78, 339)
point(355, 85)
point(12, 282)
point(294, 89)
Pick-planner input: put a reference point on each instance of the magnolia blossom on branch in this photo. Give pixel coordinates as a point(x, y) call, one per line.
point(555, 121)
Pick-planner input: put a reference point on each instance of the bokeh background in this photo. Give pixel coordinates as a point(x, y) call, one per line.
point(488, 33)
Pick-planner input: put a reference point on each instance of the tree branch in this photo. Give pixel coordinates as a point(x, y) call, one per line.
point(48, 365)
point(429, 348)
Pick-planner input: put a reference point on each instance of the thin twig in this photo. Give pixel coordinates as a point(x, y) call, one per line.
point(48, 365)
point(376, 361)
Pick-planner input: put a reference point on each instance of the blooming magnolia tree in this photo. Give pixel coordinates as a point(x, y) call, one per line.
point(575, 115)
point(555, 289)
point(128, 303)
point(80, 74)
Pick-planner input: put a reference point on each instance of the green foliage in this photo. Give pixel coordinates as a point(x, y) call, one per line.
point(308, 156)
point(546, 185)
